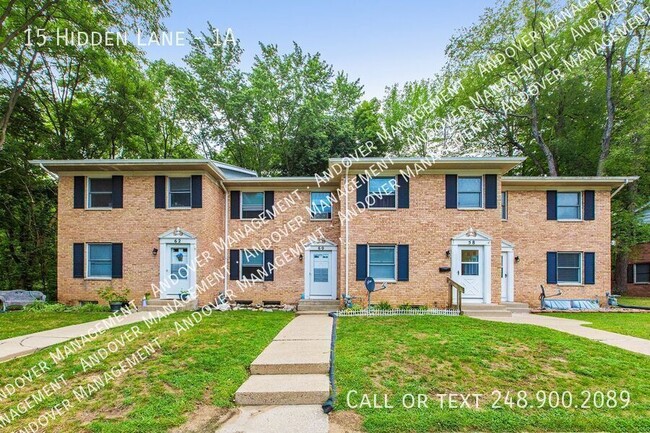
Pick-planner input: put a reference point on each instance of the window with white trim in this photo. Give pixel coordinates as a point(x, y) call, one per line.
point(382, 193)
point(504, 205)
point(252, 205)
point(470, 192)
point(180, 192)
point(321, 205)
point(642, 273)
point(252, 265)
point(99, 261)
point(100, 193)
point(569, 205)
point(569, 268)
point(382, 262)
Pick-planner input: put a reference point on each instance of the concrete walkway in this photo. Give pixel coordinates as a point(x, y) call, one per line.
point(289, 381)
point(26, 344)
point(574, 327)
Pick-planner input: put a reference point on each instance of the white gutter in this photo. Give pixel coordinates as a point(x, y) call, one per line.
point(347, 234)
point(225, 254)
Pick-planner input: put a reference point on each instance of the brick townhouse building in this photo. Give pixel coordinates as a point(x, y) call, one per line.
point(169, 226)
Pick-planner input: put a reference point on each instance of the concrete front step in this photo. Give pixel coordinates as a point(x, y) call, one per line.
point(516, 307)
point(293, 357)
point(487, 313)
point(166, 304)
point(279, 389)
point(318, 305)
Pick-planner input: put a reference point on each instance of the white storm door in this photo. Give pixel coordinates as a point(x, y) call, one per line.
point(178, 272)
point(321, 281)
point(470, 273)
point(504, 277)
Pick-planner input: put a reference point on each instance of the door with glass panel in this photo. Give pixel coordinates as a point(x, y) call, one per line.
point(179, 278)
point(321, 285)
point(470, 272)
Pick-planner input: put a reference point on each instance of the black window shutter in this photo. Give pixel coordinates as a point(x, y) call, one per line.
point(118, 192)
point(551, 267)
point(269, 197)
point(362, 192)
point(590, 268)
point(402, 192)
point(362, 262)
point(402, 263)
point(590, 205)
point(630, 274)
point(117, 260)
point(234, 264)
point(78, 260)
point(197, 191)
point(490, 191)
point(551, 205)
point(268, 264)
point(234, 204)
point(79, 192)
point(451, 191)
point(160, 192)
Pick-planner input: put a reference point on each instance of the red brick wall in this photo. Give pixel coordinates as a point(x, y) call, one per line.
point(639, 254)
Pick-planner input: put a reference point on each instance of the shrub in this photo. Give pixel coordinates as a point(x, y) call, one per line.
point(383, 305)
point(109, 294)
point(45, 307)
point(91, 308)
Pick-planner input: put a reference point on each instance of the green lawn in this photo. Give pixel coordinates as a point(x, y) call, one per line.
point(635, 324)
point(399, 356)
point(193, 370)
point(16, 323)
point(636, 302)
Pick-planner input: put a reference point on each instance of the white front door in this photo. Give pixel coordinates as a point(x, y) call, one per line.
point(504, 277)
point(470, 273)
point(178, 271)
point(321, 279)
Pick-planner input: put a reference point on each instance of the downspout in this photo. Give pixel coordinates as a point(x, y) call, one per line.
point(625, 182)
point(225, 254)
point(347, 234)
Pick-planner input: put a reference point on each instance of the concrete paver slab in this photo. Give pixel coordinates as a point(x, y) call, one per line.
point(309, 327)
point(273, 419)
point(284, 389)
point(293, 357)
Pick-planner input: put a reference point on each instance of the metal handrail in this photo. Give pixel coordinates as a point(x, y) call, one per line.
point(459, 291)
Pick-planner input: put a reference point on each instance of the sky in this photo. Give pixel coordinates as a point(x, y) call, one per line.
point(380, 42)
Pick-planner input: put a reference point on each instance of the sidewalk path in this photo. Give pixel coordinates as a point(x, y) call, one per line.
point(26, 344)
point(289, 382)
point(574, 327)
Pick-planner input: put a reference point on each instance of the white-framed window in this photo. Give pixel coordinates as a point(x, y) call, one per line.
point(469, 262)
point(470, 192)
point(569, 206)
point(382, 193)
point(504, 205)
point(320, 206)
point(569, 268)
point(382, 262)
point(251, 265)
point(99, 261)
point(100, 193)
point(180, 192)
point(642, 273)
point(252, 205)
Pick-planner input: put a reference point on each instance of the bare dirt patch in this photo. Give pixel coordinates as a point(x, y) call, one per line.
point(206, 418)
point(345, 421)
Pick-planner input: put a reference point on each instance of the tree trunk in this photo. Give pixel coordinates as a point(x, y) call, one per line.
point(609, 123)
point(620, 273)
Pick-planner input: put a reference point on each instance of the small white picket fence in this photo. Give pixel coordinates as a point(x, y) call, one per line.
point(398, 312)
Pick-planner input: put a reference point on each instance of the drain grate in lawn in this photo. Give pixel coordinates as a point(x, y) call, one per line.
point(387, 359)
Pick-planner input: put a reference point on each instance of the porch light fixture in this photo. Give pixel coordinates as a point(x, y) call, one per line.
point(178, 231)
point(516, 259)
point(300, 257)
point(471, 232)
point(154, 251)
point(447, 253)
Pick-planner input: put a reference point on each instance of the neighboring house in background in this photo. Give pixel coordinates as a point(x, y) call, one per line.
point(638, 268)
point(134, 223)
